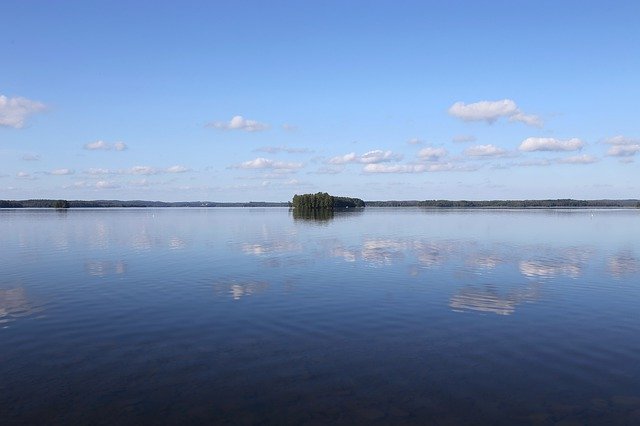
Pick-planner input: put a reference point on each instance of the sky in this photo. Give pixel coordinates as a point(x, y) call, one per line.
point(258, 101)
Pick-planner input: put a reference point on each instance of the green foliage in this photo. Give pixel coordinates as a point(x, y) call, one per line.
point(322, 200)
point(61, 204)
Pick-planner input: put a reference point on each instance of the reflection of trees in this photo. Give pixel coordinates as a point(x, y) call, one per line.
point(13, 303)
point(488, 299)
point(237, 289)
point(319, 215)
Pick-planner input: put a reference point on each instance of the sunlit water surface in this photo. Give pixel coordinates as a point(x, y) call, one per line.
point(252, 316)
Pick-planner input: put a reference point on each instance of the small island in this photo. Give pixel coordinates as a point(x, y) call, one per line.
point(323, 200)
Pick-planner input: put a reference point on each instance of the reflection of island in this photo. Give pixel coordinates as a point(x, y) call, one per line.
point(487, 299)
point(238, 290)
point(13, 303)
point(318, 215)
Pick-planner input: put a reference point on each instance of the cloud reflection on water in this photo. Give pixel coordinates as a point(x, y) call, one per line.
point(14, 303)
point(238, 289)
point(534, 265)
point(489, 299)
point(103, 268)
point(624, 263)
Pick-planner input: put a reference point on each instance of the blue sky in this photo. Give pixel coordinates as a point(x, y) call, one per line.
point(240, 101)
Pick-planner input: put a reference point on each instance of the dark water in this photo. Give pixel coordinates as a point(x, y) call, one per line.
point(252, 316)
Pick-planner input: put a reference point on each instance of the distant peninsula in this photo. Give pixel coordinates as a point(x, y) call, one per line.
point(324, 200)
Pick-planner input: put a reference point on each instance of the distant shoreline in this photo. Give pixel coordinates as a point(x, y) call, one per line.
point(437, 204)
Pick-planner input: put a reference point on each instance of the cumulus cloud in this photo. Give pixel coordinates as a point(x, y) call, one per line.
point(14, 112)
point(289, 127)
point(101, 145)
point(491, 111)
point(551, 144)
point(261, 163)
point(238, 122)
point(484, 151)
point(432, 154)
point(578, 159)
point(61, 172)
point(414, 141)
point(463, 138)
point(623, 150)
point(371, 157)
point(622, 146)
point(279, 149)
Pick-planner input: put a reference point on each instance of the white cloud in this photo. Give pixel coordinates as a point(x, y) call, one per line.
point(137, 170)
point(578, 159)
point(623, 150)
point(142, 170)
point(14, 112)
point(31, 157)
point(265, 163)
point(379, 156)
point(371, 157)
point(528, 119)
point(430, 153)
point(414, 141)
point(99, 171)
point(491, 111)
point(289, 127)
point(279, 149)
point(238, 122)
point(101, 145)
point(24, 175)
point(344, 159)
point(407, 168)
point(62, 172)
point(484, 151)
point(105, 184)
point(551, 144)
point(177, 169)
point(622, 146)
point(463, 138)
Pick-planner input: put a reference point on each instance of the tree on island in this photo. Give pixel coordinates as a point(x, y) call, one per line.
point(322, 200)
point(61, 204)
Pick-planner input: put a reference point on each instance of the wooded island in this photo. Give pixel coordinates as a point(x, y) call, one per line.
point(322, 200)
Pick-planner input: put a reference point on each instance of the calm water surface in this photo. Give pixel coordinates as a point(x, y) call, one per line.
point(252, 316)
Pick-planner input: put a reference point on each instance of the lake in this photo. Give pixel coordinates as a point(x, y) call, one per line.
point(381, 316)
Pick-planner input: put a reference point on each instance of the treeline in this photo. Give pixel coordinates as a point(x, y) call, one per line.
point(46, 203)
point(513, 204)
point(322, 200)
